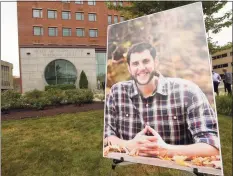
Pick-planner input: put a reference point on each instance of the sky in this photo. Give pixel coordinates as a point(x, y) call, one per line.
point(9, 33)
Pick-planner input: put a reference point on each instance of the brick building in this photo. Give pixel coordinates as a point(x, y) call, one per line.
point(59, 39)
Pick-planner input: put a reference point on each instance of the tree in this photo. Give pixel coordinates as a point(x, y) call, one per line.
point(83, 82)
point(214, 47)
point(213, 24)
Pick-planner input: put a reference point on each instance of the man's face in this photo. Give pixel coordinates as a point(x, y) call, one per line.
point(142, 67)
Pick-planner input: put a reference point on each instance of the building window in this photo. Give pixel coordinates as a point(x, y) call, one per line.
point(66, 15)
point(65, 1)
point(100, 66)
point(37, 30)
point(79, 16)
point(115, 19)
point(78, 1)
point(109, 19)
point(60, 72)
point(231, 53)
point(52, 14)
point(220, 66)
point(224, 55)
point(92, 17)
point(121, 18)
point(93, 32)
point(52, 31)
point(91, 2)
point(80, 32)
point(37, 13)
point(66, 32)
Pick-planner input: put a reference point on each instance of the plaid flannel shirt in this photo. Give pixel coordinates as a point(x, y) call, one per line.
point(178, 110)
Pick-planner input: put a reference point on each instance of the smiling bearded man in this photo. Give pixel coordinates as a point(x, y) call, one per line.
point(158, 115)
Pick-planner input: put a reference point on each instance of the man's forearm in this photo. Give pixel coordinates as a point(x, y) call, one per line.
point(113, 140)
point(198, 149)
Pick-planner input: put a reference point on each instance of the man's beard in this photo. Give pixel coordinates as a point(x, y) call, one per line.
point(152, 74)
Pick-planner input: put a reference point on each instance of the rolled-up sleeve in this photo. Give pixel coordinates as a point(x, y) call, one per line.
point(110, 116)
point(202, 121)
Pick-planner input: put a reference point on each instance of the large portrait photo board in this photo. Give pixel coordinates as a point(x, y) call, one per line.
point(159, 101)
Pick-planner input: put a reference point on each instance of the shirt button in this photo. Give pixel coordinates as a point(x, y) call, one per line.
point(127, 115)
point(175, 117)
point(147, 105)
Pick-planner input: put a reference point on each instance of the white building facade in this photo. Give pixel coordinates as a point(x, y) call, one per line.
point(43, 66)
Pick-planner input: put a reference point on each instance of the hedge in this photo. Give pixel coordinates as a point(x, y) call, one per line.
point(60, 86)
point(40, 99)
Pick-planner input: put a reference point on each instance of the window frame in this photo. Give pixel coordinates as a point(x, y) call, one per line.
point(78, 1)
point(110, 19)
point(56, 31)
point(115, 18)
point(95, 17)
point(65, 1)
point(40, 13)
point(55, 14)
point(70, 32)
point(69, 15)
point(41, 30)
point(96, 32)
point(82, 16)
point(83, 32)
point(91, 3)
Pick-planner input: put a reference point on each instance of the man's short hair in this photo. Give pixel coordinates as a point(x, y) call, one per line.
point(140, 47)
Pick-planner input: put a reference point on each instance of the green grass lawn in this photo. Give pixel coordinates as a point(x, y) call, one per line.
point(71, 145)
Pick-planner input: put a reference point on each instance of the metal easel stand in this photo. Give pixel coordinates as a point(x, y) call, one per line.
point(195, 172)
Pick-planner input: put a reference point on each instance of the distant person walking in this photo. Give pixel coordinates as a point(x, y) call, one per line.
point(216, 81)
point(103, 85)
point(228, 80)
point(98, 84)
point(224, 83)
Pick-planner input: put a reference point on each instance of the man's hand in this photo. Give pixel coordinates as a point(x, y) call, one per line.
point(154, 148)
point(140, 140)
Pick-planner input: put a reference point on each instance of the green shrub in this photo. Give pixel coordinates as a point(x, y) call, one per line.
point(88, 95)
point(10, 99)
point(60, 86)
point(100, 96)
point(224, 104)
point(35, 99)
point(83, 82)
point(69, 95)
point(55, 96)
point(79, 96)
point(74, 96)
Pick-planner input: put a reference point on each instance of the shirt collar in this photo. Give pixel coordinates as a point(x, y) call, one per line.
point(162, 87)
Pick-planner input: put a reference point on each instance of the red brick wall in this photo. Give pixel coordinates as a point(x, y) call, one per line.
point(26, 23)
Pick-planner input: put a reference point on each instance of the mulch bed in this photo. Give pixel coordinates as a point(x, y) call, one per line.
point(18, 114)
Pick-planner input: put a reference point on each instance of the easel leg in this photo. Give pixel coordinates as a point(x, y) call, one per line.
point(195, 172)
point(114, 164)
